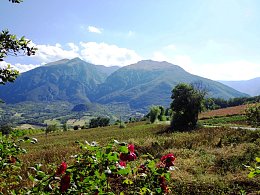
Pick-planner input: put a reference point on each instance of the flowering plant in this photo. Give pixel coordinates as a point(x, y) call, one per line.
point(113, 169)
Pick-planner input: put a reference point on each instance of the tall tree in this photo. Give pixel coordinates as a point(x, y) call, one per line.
point(186, 105)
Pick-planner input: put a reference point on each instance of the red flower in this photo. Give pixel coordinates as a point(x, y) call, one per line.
point(122, 163)
point(131, 148)
point(168, 160)
point(62, 168)
point(123, 156)
point(65, 183)
point(163, 184)
point(131, 156)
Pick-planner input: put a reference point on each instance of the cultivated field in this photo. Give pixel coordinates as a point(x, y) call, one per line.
point(236, 110)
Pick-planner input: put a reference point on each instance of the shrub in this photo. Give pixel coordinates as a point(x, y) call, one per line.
point(253, 115)
point(51, 128)
point(154, 113)
point(107, 170)
point(99, 122)
point(6, 129)
point(76, 127)
point(122, 125)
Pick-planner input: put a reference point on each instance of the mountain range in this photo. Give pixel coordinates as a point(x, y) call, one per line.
point(139, 85)
point(251, 87)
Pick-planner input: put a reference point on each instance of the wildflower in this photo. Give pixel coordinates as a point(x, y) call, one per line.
point(65, 183)
point(168, 160)
point(123, 156)
point(131, 148)
point(121, 164)
point(131, 156)
point(62, 168)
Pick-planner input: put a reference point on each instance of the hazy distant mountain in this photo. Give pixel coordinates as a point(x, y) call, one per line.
point(107, 70)
point(139, 85)
point(251, 87)
point(149, 82)
point(69, 80)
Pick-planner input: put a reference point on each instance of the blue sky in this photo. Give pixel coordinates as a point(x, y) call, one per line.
point(217, 39)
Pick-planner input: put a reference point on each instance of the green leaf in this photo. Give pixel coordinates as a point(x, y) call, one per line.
point(257, 159)
point(124, 171)
point(128, 182)
point(251, 174)
point(123, 149)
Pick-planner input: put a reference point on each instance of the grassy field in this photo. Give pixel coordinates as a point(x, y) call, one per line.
point(209, 160)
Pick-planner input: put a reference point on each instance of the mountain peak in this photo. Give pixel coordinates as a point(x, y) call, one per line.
point(62, 61)
point(153, 65)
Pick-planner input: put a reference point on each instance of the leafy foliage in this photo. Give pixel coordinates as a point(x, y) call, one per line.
point(254, 171)
point(253, 115)
point(6, 129)
point(16, 1)
point(154, 113)
point(51, 128)
point(10, 164)
point(186, 105)
point(106, 170)
point(99, 122)
point(11, 45)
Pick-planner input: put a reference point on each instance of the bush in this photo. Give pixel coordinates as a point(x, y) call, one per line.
point(6, 129)
point(122, 125)
point(107, 170)
point(76, 127)
point(99, 122)
point(253, 115)
point(51, 128)
point(154, 113)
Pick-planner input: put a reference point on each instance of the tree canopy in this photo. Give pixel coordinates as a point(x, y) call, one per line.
point(186, 105)
point(10, 45)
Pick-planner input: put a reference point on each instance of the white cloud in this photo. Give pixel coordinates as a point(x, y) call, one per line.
point(73, 46)
point(182, 60)
point(230, 70)
point(233, 70)
point(20, 67)
point(94, 29)
point(24, 67)
point(105, 54)
point(50, 53)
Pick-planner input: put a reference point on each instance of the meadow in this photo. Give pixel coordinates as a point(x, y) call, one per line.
point(208, 160)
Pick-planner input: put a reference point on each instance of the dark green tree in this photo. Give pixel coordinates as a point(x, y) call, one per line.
point(186, 105)
point(162, 116)
point(6, 129)
point(99, 122)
